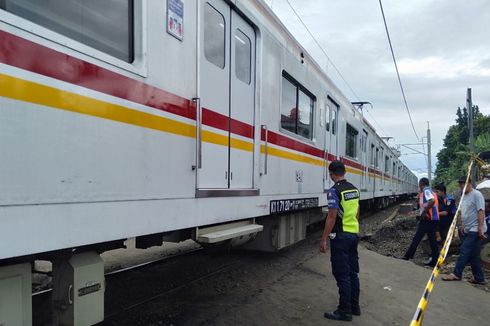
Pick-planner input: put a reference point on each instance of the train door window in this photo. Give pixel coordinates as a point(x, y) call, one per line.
point(305, 119)
point(351, 141)
point(243, 56)
point(214, 36)
point(334, 121)
point(327, 118)
point(376, 162)
point(364, 141)
point(372, 155)
point(104, 25)
point(288, 106)
point(387, 164)
point(297, 106)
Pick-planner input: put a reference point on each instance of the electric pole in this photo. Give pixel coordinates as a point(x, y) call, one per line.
point(469, 107)
point(429, 160)
point(471, 116)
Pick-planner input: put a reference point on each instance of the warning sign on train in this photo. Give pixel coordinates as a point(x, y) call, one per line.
point(288, 205)
point(175, 18)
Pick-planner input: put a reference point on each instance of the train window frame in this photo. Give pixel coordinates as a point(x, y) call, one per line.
point(299, 89)
point(351, 135)
point(62, 43)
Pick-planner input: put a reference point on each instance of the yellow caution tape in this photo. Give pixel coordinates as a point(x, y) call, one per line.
point(419, 313)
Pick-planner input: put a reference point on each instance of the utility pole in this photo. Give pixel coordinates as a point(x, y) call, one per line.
point(471, 116)
point(429, 160)
point(469, 107)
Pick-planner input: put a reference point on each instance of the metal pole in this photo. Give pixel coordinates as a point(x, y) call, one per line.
point(471, 117)
point(469, 107)
point(429, 159)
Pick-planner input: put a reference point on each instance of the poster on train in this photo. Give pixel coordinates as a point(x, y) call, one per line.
point(175, 18)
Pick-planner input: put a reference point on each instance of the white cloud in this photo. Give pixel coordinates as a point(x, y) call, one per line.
point(442, 68)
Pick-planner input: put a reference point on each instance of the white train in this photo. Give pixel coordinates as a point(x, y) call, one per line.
point(169, 120)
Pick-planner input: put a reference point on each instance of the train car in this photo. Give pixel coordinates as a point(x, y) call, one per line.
point(168, 120)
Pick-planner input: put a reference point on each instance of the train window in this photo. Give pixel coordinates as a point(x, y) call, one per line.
point(376, 162)
point(372, 154)
point(387, 164)
point(243, 56)
point(104, 25)
point(305, 119)
point(327, 117)
point(288, 106)
point(364, 141)
point(296, 108)
point(351, 141)
point(214, 36)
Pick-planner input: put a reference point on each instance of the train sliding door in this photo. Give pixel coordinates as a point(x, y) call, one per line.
point(242, 87)
point(227, 98)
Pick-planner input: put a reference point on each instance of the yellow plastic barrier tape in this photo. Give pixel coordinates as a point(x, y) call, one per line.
point(419, 313)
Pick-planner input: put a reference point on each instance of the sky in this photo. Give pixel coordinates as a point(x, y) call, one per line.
point(442, 48)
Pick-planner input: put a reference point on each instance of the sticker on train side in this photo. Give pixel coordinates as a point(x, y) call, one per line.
point(288, 205)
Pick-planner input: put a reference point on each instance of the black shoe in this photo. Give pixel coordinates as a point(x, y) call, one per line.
point(356, 311)
point(337, 315)
point(402, 257)
point(430, 263)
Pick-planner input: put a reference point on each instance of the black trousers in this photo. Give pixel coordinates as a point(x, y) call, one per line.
point(424, 227)
point(345, 269)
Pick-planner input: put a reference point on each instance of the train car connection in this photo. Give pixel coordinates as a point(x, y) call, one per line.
point(163, 121)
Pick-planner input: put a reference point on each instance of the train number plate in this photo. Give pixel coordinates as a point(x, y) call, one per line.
point(288, 205)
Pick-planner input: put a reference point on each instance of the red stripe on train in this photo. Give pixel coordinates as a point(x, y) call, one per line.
point(28, 55)
point(24, 54)
point(219, 121)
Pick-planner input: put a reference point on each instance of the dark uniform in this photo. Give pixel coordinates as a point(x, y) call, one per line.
point(446, 204)
point(344, 197)
point(426, 226)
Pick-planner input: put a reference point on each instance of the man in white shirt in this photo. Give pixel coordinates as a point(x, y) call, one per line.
point(473, 229)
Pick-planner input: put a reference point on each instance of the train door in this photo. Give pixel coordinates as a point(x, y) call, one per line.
point(242, 87)
point(227, 97)
point(364, 159)
point(327, 183)
point(334, 128)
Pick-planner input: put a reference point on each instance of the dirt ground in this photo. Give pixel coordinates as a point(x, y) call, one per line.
point(296, 287)
point(390, 234)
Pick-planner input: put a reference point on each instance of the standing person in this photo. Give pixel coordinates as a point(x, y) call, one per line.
point(342, 227)
point(447, 210)
point(428, 219)
point(473, 228)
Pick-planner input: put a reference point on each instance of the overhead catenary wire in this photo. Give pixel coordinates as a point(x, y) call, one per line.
point(322, 49)
point(397, 72)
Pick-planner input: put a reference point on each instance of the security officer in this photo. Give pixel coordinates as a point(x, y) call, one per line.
point(428, 219)
point(447, 210)
point(342, 227)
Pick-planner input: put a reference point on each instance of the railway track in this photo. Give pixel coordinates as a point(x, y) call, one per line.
point(135, 286)
point(137, 294)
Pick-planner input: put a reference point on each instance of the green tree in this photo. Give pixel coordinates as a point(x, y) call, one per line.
point(452, 160)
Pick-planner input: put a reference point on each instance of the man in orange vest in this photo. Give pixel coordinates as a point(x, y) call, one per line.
point(428, 219)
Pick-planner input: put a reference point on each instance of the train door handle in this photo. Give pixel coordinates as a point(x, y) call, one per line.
point(266, 147)
point(197, 101)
